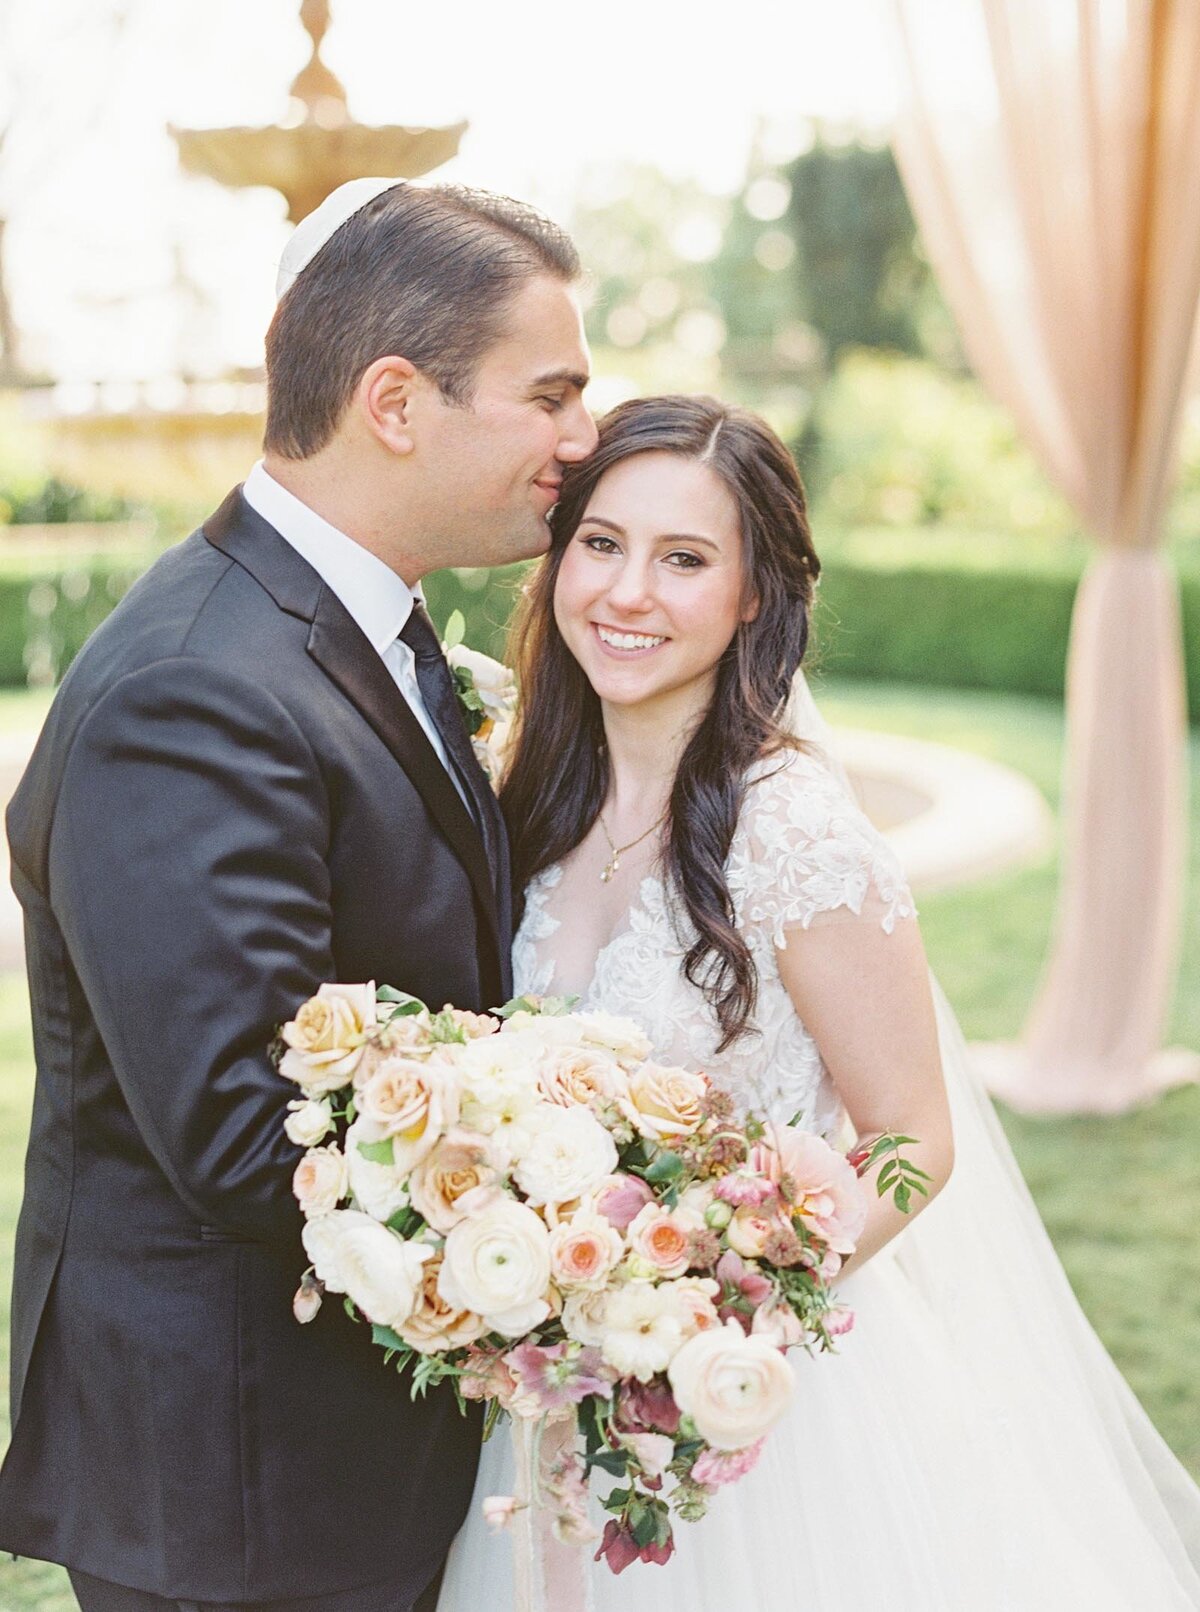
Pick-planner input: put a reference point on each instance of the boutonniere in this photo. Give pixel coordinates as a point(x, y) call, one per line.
point(487, 697)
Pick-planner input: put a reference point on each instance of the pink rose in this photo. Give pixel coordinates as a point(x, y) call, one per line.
point(664, 1104)
point(696, 1297)
point(620, 1197)
point(320, 1181)
point(662, 1239)
point(575, 1075)
point(413, 1102)
point(653, 1452)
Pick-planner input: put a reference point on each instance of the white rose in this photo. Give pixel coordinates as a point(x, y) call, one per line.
point(584, 1314)
point(355, 1255)
point(569, 1153)
point(308, 1122)
point(494, 682)
point(497, 1264)
point(319, 1180)
point(625, 1040)
point(378, 1187)
point(733, 1387)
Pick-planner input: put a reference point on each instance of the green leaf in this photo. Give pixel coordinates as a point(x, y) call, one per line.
point(645, 1524)
point(616, 1499)
point(386, 1338)
point(456, 630)
point(614, 1461)
point(887, 1175)
point(903, 1198)
point(665, 1166)
point(914, 1174)
point(405, 1221)
point(401, 999)
point(378, 1152)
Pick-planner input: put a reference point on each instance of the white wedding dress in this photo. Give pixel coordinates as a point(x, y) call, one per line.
point(971, 1447)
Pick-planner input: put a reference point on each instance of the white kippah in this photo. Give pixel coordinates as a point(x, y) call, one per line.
point(312, 232)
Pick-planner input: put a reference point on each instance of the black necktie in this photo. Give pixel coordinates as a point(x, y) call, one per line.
point(436, 683)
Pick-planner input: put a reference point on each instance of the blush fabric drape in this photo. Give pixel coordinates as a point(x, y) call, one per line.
point(1051, 152)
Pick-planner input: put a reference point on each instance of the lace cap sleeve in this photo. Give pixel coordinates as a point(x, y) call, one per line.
point(806, 853)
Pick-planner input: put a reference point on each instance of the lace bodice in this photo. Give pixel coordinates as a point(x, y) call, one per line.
point(803, 854)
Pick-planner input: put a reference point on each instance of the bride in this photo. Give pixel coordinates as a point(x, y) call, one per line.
point(691, 862)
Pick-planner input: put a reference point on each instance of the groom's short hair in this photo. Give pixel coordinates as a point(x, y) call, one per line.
point(428, 273)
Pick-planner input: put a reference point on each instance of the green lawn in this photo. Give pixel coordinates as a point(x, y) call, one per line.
point(1137, 1271)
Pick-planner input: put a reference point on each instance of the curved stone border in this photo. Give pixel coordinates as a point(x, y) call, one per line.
point(951, 816)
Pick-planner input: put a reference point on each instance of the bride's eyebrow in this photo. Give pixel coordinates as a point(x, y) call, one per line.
point(666, 537)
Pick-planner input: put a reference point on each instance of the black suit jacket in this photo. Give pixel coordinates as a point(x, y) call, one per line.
point(230, 803)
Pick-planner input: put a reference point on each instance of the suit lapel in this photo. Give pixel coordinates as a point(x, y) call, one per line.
point(347, 658)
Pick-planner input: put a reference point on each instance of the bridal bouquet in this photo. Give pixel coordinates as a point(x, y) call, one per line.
point(530, 1207)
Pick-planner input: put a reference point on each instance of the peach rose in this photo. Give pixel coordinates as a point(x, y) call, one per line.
point(320, 1180)
point(664, 1104)
point(662, 1240)
point(326, 1038)
point(434, 1324)
point(735, 1388)
point(414, 1103)
point(583, 1251)
point(461, 1174)
point(575, 1075)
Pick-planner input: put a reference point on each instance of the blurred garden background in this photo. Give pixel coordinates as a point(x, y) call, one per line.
point(778, 265)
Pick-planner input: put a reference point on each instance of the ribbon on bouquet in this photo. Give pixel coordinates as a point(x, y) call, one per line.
point(549, 1576)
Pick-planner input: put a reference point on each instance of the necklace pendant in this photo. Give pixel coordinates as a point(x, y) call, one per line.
point(609, 868)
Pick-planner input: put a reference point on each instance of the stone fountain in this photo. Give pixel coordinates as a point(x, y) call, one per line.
point(318, 146)
point(195, 445)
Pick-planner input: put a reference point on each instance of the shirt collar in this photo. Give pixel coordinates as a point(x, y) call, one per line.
point(379, 600)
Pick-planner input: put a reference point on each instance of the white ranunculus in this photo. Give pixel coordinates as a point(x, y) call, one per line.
point(735, 1388)
point(497, 1263)
point(642, 1330)
point(569, 1152)
point(308, 1122)
point(355, 1255)
point(379, 1188)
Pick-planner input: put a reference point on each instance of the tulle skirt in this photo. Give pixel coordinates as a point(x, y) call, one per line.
point(970, 1448)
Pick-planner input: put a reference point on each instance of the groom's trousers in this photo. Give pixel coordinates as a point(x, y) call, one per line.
point(97, 1595)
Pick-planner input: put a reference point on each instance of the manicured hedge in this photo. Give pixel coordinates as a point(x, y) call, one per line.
point(965, 621)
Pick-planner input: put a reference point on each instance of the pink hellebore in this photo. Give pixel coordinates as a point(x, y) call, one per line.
point(551, 1376)
point(647, 1407)
point(621, 1198)
point(753, 1286)
point(618, 1547)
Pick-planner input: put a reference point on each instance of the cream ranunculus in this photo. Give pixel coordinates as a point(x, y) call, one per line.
point(569, 1153)
point(414, 1102)
point(500, 1089)
point(355, 1255)
point(583, 1251)
point(378, 1185)
point(664, 1104)
point(497, 1264)
point(435, 1325)
point(460, 1176)
point(326, 1038)
point(735, 1388)
point(320, 1179)
point(308, 1122)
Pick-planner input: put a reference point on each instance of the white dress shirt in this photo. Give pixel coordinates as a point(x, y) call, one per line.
point(379, 600)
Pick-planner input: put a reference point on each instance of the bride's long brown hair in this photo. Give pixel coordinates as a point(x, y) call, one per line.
point(558, 772)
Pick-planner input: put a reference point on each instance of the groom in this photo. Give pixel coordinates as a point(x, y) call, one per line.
point(253, 779)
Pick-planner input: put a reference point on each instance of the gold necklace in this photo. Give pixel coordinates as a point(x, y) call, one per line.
point(618, 851)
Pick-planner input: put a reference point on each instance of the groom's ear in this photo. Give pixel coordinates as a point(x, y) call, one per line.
point(384, 396)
